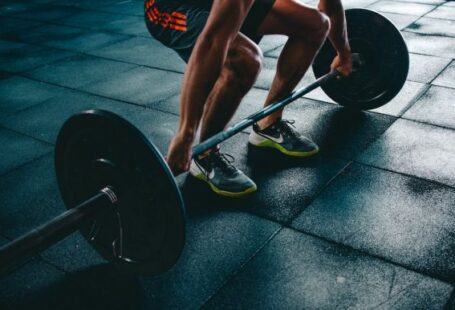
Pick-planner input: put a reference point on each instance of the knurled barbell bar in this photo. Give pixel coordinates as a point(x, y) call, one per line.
point(121, 194)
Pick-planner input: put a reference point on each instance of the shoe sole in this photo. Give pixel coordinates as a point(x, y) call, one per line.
point(221, 192)
point(266, 143)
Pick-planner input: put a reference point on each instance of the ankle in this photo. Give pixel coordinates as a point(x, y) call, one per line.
point(209, 152)
point(267, 122)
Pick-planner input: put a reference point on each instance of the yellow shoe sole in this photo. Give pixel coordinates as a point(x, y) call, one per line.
point(220, 192)
point(274, 145)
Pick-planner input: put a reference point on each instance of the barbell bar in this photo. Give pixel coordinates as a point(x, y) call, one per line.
point(119, 191)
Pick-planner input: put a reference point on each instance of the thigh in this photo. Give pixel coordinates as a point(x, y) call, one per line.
point(290, 17)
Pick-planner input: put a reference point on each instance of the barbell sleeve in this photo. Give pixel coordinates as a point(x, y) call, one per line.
point(253, 118)
point(18, 251)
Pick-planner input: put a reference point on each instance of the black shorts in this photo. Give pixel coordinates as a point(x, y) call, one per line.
point(178, 23)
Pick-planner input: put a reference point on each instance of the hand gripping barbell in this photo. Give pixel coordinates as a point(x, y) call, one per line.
point(119, 191)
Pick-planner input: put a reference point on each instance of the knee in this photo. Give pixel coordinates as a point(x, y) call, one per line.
point(244, 65)
point(322, 29)
point(324, 26)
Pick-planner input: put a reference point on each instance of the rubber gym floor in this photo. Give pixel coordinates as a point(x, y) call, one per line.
point(370, 223)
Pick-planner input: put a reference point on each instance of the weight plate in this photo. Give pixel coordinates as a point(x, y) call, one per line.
point(385, 60)
point(144, 232)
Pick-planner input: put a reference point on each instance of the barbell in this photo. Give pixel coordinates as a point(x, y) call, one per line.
point(119, 191)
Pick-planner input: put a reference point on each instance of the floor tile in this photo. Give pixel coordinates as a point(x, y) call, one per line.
point(138, 86)
point(285, 185)
point(416, 149)
point(4, 75)
point(78, 71)
point(336, 130)
point(45, 120)
point(87, 19)
point(131, 25)
point(72, 254)
point(29, 197)
point(435, 107)
point(23, 289)
point(444, 11)
point(18, 93)
point(271, 42)
point(29, 57)
point(18, 149)
point(218, 243)
point(424, 68)
point(97, 287)
point(434, 2)
point(267, 73)
point(49, 34)
point(70, 38)
point(46, 13)
point(14, 7)
point(269, 67)
point(401, 21)
point(430, 45)
point(357, 3)
point(410, 92)
point(143, 51)
point(298, 271)
point(434, 26)
point(406, 220)
point(124, 7)
point(411, 224)
point(447, 77)
point(406, 8)
point(265, 78)
point(8, 46)
point(11, 25)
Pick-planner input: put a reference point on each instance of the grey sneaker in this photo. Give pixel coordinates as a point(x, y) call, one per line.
point(224, 179)
point(282, 136)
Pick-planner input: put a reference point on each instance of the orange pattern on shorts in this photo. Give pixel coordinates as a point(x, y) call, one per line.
point(171, 20)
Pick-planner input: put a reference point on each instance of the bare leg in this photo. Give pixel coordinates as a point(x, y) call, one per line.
point(239, 73)
point(307, 29)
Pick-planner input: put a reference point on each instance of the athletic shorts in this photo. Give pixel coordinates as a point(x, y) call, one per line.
point(178, 23)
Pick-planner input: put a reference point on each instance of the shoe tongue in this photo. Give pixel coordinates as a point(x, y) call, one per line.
point(221, 162)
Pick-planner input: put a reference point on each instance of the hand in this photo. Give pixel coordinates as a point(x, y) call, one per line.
point(342, 63)
point(179, 154)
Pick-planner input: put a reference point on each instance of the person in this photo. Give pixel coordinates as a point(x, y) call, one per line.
point(219, 41)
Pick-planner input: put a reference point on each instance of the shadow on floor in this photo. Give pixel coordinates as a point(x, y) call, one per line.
point(97, 287)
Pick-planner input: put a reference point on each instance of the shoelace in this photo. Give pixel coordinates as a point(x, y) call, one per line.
point(224, 162)
point(221, 160)
point(287, 128)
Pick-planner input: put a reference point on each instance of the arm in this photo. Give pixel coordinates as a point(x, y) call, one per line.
point(338, 34)
point(204, 67)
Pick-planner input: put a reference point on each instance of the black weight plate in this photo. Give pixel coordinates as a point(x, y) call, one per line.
point(385, 56)
point(145, 232)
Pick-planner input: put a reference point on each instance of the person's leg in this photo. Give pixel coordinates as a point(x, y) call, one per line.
point(238, 75)
point(307, 29)
point(240, 71)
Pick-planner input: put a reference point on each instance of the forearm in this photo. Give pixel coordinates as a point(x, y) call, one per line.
point(338, 31)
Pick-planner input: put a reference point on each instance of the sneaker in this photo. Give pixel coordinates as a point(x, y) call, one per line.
point(282, 136)
point(224, 179)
